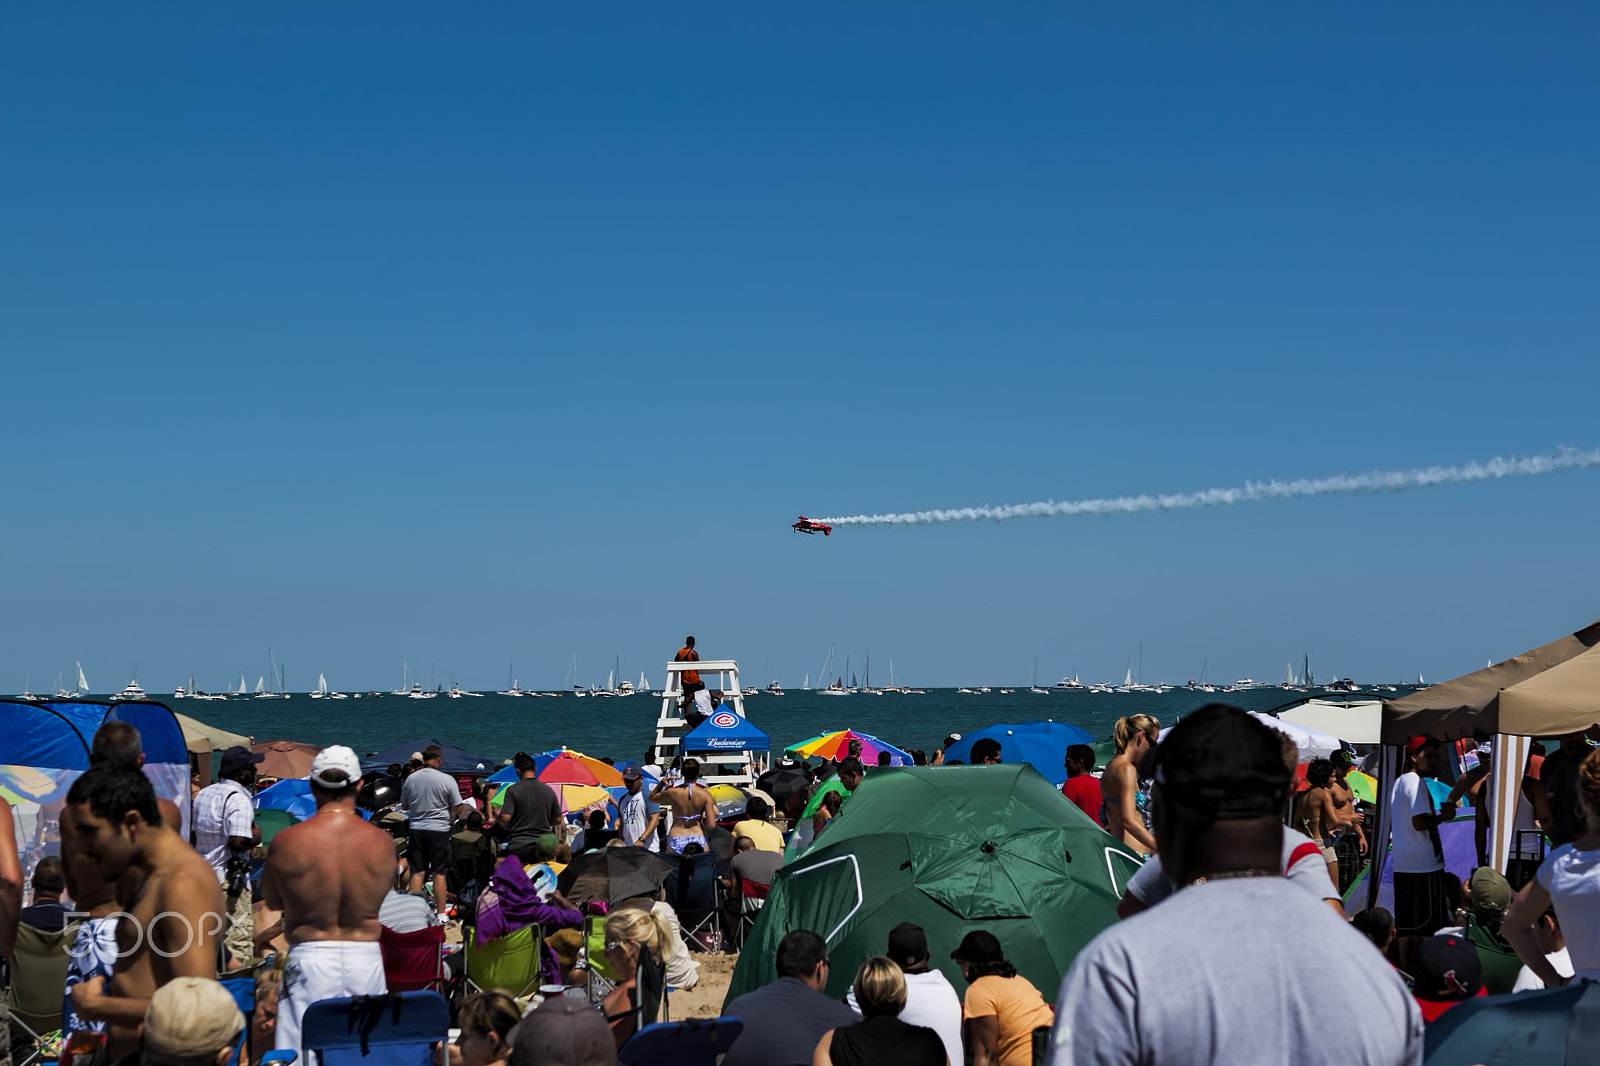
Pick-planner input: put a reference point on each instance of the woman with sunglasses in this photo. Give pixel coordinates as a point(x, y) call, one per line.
point(631, 936)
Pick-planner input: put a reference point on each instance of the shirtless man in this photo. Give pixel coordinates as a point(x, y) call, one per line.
point(328, 875)
point(1344, 796)
point(1135, 737)
point(1318, 815)
point(692, 809)
point(173, 920)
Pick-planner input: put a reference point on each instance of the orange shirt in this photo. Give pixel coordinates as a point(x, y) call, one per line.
point(1018, 1009)
point(689, 655)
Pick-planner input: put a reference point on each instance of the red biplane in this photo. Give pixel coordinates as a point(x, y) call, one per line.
point(806, 525)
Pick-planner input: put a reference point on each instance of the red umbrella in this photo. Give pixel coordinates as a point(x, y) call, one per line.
point(285, 758)
point(566, 770)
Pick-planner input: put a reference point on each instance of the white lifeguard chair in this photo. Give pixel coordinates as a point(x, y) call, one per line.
point(732, 767)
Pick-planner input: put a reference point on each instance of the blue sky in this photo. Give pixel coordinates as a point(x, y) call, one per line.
point(461, 334)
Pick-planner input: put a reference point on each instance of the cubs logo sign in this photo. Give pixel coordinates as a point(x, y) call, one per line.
point(724, 720)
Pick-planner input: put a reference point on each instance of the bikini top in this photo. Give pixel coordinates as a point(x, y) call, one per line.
point(689, 818)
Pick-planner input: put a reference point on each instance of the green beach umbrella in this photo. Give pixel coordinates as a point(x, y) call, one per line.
point(271, 821)
point(952, 849)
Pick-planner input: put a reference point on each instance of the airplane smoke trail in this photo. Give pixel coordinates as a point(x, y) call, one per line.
point(1379, 481)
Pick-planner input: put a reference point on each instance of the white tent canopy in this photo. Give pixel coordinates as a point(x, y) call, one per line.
point(1357, 722)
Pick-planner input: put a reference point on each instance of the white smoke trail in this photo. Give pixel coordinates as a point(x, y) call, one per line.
point(1339, 485)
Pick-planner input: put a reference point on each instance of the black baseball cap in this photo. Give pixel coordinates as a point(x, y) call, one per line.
point(980, 945)
point(908, 944)
point(238, 757)
point(1222, 763)
point(1448, 971)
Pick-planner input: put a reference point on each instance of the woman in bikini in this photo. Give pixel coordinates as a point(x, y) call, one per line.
point(692, 808)
point(1124, 801)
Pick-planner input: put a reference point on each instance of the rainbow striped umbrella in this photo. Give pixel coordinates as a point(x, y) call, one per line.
point(600, 773)
point(836, 746)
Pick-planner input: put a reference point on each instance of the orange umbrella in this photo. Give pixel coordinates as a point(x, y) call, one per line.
point(576, 768)
point(285, 758)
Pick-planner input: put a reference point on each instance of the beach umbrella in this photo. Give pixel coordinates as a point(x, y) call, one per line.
point(836, 746)
point(600, 773)
point(291, 794)
point(285, 758)
point(952, 849)
point(612, 875)
point(565, 771)
point(503, 776)
point(1042, 745)
point(730, 800)
point(781, 782)
point(577, 797)
point(1556, 1025)
point(10, 796)
point(456, 761)
point(272, 822)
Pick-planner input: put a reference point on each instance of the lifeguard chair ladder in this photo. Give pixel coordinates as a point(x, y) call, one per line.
point(716, 674)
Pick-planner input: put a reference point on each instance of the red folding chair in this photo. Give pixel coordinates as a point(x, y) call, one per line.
point(413, 962)
point(752, 897)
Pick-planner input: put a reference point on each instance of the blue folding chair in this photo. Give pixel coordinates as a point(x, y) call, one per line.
point(395, 1030)
point(698, 1042)
point(695, 893)
point(243, 991)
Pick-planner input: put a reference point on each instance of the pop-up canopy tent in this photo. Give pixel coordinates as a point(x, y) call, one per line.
point(1553, 689)
point(46, 748)
point(457, 761)
point(953, 849)
point(725, 730)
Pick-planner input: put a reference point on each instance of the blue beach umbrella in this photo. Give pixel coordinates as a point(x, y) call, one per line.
point(1042, 745)
point(292, 795)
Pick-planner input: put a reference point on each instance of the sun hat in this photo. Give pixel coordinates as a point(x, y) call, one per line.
point(190, 1017)
point(336, 757)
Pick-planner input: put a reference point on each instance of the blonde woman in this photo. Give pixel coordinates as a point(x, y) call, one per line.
point(630, 935)
point(1125, 802)
point(880, 1036)
point(1569, 881)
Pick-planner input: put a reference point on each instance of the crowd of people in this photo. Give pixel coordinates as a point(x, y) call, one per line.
point(1216, 931)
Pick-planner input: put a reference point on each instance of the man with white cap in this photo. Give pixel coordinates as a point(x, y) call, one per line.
point(328, 875)
point(191, 1021)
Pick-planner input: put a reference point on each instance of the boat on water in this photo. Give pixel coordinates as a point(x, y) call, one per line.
point(515, 688)
point(1069, 683)
point(417, 693)
point(130, 691)
point(774, 689)
point(1033, 686)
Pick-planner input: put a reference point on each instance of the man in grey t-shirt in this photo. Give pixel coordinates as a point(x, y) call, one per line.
point(430, 797)
point(1217, 974)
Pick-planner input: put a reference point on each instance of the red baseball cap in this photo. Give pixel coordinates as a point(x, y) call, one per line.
point(1416, 744)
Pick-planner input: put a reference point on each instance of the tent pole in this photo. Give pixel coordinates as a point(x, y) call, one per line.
point(1378, 841)
point(1510, 759)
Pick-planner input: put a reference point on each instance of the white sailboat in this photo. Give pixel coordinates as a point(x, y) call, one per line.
point(321, 691)
point(241, 691)
point(1034, 685)
point(83, 683)
point(406, 687)
point(515, 688)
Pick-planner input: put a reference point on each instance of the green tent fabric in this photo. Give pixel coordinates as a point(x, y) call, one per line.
point(952, 848)
point(272, 822)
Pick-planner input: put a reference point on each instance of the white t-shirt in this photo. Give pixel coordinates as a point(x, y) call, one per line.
point(1303, 864)
point(702, 701)
point(932, 1004)
point(1217, 975)
point(633, 814)
point(1528, 982)
point(1413, 848)
point(1572, 878)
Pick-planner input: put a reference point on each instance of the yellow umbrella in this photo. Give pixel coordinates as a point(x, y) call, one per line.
point(577, 797)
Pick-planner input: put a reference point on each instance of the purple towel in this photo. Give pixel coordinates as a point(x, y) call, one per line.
point(510, 903)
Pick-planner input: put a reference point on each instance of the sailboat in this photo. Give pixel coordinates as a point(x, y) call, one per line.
point(63, 693)
point(644, 684)
point(1034, 685)
point(406, 687)
point(516, 687)
point(241, 691)
point(274, 671)
point(83, 684)
point(321, 691)
point(836, 687)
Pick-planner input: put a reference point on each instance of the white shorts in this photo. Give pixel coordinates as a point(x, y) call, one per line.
point(325, 969)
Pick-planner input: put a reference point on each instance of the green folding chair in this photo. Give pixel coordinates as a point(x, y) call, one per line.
point(508, 964)
point(38, 975)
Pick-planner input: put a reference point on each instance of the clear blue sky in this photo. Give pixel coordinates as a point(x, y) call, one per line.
point(469, 333)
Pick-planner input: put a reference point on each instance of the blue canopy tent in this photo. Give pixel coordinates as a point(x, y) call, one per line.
point(46, 748)
point(726, 730)
point(456, 762)
point(1043, 745)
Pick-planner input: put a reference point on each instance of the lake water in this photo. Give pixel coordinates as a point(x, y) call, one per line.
point(496, 727)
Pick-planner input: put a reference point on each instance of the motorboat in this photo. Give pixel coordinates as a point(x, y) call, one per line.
point(130, 691)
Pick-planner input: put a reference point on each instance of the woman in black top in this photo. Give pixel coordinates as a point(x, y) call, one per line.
point(881, 1036)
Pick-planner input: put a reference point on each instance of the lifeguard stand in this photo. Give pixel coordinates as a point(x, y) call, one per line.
point(717, 674)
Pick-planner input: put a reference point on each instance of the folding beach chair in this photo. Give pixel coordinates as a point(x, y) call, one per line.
point(752, 897)
point(38, 980)
point(397, 1030)
point(699, 1042)
point(243, 991)
point(695, 893)
point(508, 964)
point(413, 961)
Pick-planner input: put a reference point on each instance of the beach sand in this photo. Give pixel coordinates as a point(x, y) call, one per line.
point(704, 1000)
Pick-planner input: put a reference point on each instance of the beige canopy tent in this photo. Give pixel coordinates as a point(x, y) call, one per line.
point(202, 739)
point(1551, 690)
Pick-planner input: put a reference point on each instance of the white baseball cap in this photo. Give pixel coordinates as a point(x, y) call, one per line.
point(336, 757)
